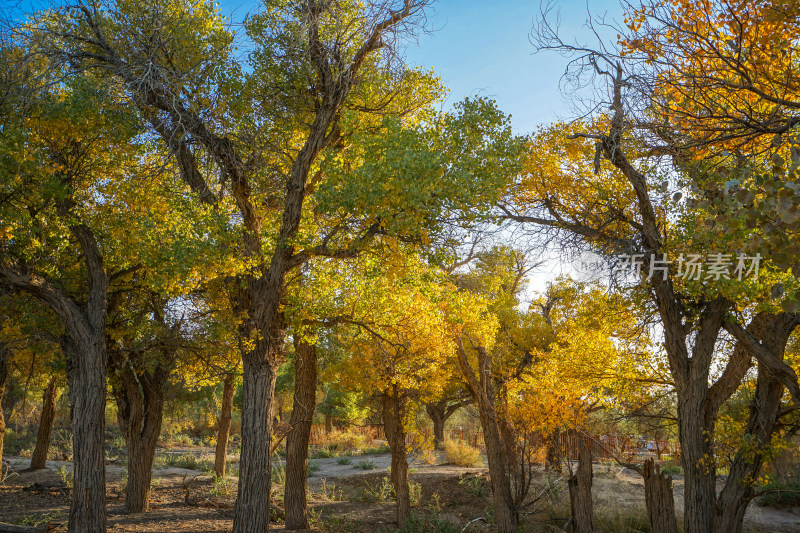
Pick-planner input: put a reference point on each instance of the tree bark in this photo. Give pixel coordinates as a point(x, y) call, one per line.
point(224, 425)
point(394, 428)
point(436, 414)
point(251, 513)
point(86, 375)
point(5, 355)
point(303, 405)
point(765, 408)
point(659, 499)
point(440, 412)
point(580, 493)
point(39, 457)
point(328, 423)
point(140, 408)
point(498, 453)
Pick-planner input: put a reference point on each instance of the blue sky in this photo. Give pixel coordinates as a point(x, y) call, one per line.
point(481, 47)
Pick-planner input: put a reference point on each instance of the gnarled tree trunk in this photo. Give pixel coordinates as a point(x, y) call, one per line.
point(498, 451)
point(394, 428)
point(140, 410)
point(303, 405)
point(659, 499)
point(765, 407)
point(439, 412)
point(436, 412)
point(39, 457)
point(224, 425)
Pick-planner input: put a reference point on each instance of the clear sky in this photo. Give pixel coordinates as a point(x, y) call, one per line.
point(483, 47)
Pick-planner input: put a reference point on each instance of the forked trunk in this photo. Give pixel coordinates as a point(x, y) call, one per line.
point(737, 493)
point(304, 403)
point(659, 499)
point(39, 457)
point(251, 514)
point(580, 493)
point(497, 453)
point(140, 409)
point(140, 472)
point(436, 412)
point(224, 425)
point(394, 428)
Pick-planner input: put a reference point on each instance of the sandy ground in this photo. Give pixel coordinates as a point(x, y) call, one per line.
point(613, 488)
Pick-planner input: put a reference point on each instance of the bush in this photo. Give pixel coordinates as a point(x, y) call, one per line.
point(313, 468)
point(671, 470)
point(382, 492)
point(460, 453)
point(344, 460)
point(377, 450)
point(779, 493)
point(278, 475)
point(366, 464)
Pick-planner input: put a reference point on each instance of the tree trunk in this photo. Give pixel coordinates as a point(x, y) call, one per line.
point(251, 513)
point(497, 452)
point(552, 460)
point(580, 493)
point(697, 459)
point(39, 457)
point(436, 412)
point(140, 409)
point(86, 374)
point(394, 428)
point(738, 490)
point(224, 425)
point(659, 499)
point(328, 423)
point(303, 405)
point(5, 355)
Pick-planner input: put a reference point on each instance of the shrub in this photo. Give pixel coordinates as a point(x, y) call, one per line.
point(414, 493)
point(344, 460)
point(377, 450)
point(474, 485)
point(366, 464)
point(671, 470)
point(460, 453)
point(278, 475)
point(779, 493)
point(428, 457)
point(382, 492)
point(313, 468)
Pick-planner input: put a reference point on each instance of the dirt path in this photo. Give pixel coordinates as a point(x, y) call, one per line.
point(338, 486)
